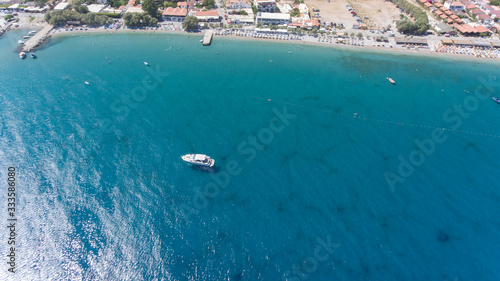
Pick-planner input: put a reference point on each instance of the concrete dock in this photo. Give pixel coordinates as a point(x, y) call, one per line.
point(5, 28)
point(207, 39)
point(37, 39)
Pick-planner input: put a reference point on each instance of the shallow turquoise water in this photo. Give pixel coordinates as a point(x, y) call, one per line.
point(303, 137)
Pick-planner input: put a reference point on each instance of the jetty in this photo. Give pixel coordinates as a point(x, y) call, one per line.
point(5, 28)
point(207, 39)
point(37, 39)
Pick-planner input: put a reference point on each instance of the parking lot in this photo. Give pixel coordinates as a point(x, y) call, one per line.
point(376, 14)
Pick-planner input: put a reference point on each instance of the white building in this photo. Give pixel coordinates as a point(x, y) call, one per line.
point(265, 6)
point(284, 8)
point(242, 19)
point(303, 9)
point(95, 8)
point(238, 4)
point(454, 6)
point(61, 6)
point(135, 10)
point(273, 18)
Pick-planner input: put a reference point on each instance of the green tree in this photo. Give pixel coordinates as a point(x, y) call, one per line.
point(190, 23)
point(495, 2)
point(240, 26)
point(40, 3)
point(295, 13)
point(167, 4)
point(8, 17)
point(260, 25)
point(149, 6)
point(360, 35)
point(209, 4)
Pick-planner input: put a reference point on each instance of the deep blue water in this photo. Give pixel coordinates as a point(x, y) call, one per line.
point(305, 139)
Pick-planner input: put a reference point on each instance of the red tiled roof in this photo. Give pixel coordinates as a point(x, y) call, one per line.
point(443, 16)
point(438, 12)
point(456, 4)
point(482, 29)
point(182, 4)
point(175, 12)
point(207, 13)
point(428, 5)
point(470, 6)
point(449, 13)
point(477, 12)
point(438, 4)
point(483, 16)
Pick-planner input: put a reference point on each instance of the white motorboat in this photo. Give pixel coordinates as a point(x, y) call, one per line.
point(198, 159)
point(146, 64)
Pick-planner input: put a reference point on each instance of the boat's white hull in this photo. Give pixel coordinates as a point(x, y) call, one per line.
point(198, 160)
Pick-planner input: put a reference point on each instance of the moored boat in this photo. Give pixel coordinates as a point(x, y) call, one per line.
point(391, 80)
point(22, 55)
point(496, 99)
point(146, 64)
point(198, 160)
point(33, 56)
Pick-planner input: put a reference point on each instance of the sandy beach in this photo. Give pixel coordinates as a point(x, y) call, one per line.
point(368, 44)
point(305, 40)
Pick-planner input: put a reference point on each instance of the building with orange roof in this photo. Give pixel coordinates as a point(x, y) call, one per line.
point(438, 5)
point(174, 14)
point(470, 6)
point(482, 29)
point(208, 16)
point(182, 5)
point(428, 5)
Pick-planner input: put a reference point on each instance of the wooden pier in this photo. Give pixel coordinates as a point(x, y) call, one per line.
point(207, 39)
point(37, 39)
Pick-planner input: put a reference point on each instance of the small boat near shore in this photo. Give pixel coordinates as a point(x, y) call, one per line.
point(198, 160)
point(33, 56)
point(496, 99)
point(20, 42)
point(391, 80)
point(22, 55)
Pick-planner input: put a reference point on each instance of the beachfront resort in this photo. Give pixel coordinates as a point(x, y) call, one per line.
point(452, 27)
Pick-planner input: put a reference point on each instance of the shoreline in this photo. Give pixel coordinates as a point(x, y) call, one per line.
point(60, 32)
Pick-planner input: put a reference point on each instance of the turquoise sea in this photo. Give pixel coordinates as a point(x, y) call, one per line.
point(324, 170)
